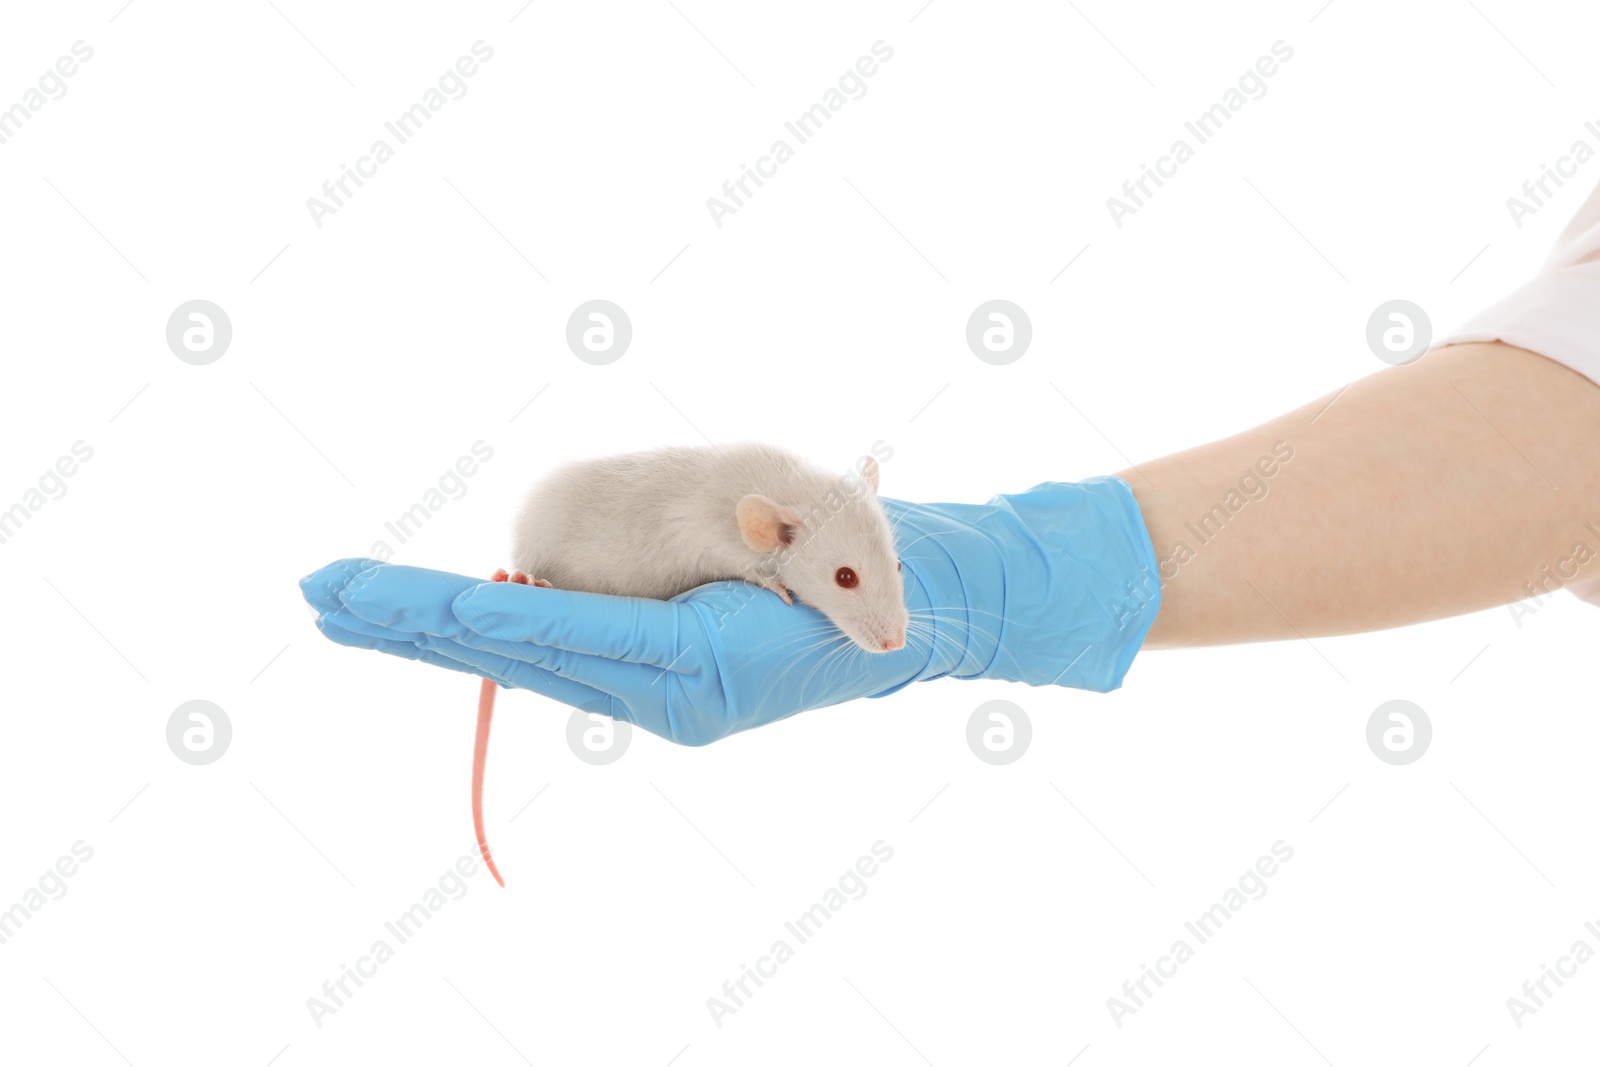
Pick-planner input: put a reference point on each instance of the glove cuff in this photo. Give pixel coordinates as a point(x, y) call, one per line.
point(1054, 586)
point(1082, 583)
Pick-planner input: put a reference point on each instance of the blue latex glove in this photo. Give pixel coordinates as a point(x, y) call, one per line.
point(1054, 586)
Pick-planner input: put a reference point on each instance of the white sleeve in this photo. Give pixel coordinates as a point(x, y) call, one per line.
point(1557, 314)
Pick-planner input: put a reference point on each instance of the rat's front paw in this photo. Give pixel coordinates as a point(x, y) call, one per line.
point(518, 578)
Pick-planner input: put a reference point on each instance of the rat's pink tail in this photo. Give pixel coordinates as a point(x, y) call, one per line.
point(480, 756)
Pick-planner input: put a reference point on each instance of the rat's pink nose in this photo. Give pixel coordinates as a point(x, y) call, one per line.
point(894, 644)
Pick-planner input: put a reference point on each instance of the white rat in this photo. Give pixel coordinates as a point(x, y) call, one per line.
point(656, 524)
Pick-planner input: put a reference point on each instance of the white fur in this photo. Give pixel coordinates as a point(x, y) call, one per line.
point(656, 524)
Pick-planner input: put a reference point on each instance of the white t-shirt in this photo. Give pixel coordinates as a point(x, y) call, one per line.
point(1557, 314)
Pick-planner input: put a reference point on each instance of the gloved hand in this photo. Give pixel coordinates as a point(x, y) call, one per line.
point(1054, 586)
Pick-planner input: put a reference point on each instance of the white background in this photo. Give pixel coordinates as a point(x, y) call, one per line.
point(827, 314)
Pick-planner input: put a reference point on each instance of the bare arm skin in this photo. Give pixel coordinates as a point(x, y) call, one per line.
point(1420, 492)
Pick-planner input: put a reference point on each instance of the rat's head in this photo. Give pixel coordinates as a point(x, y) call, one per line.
point(837, 553)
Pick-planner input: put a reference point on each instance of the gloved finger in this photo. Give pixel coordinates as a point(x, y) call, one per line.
point(394, 605)
point(321, 587)
point(407, 599)
point(626, 629)
point(404, 602)
point(344, 620)
point(631, 707)
point(628, 681)
point(346, 631)
point(535, 679)
point(508, 672)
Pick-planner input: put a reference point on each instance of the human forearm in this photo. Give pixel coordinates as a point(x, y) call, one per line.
point(1417, 493)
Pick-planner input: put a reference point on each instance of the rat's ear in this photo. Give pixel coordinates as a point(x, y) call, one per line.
point(765, 524)
point(869, 471)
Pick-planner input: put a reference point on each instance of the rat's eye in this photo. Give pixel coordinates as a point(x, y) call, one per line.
point(897, 566)
point(846, 578)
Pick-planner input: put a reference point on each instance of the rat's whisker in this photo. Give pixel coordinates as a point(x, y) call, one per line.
point(820, 664)
point(958, 609)
point(904, 515)
point(908, 544)
point(805, 654)
point(826, 630)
